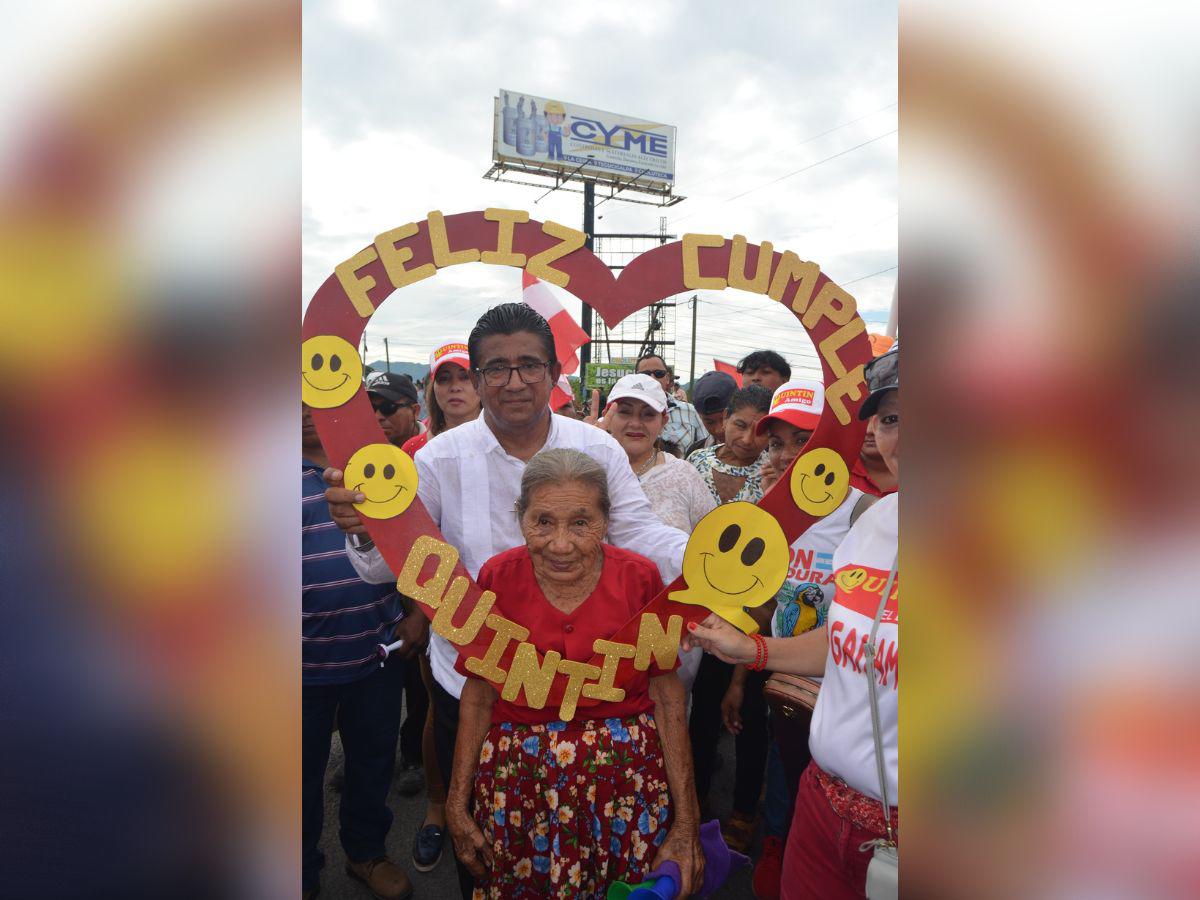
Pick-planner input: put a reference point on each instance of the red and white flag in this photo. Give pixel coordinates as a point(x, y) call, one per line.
point(562, 394)
point(728, 369)
point(568, 336)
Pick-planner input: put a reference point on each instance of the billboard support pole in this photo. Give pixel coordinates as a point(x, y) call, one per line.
point(589, 227)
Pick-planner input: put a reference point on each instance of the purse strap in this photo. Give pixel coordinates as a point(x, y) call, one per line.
point(875, 726)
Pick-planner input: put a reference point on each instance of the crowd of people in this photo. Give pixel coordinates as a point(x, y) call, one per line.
point(575, 522)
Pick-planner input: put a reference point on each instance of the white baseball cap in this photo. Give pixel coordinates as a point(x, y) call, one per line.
point(798, 402)
point(454, 351)
point(639, 387)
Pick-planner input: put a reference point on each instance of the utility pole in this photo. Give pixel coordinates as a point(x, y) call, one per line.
point(692, 378)
point(386, 355)
point(894, 315)
point(589, 226)
point(364, 349)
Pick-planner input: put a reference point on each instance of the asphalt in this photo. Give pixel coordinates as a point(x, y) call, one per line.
point(441, 883)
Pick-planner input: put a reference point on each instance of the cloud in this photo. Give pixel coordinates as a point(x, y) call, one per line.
point(398, 122)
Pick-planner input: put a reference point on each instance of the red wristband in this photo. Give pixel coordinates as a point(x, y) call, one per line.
point(760, 653)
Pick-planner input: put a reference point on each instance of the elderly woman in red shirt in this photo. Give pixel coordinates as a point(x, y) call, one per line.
point(563, 809)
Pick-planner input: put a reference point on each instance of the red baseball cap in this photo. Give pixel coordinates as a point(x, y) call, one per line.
point(798, 402)
point(450, 351)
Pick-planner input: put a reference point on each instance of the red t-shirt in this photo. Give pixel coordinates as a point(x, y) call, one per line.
point(628, 582)
point(413, 444)
point(861, 479)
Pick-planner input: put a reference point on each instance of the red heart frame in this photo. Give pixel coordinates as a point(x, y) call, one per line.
point(827, 313)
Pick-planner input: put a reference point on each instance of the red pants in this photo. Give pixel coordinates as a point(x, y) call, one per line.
point(822, 859)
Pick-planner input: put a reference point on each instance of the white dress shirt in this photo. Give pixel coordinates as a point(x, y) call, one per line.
point(470, 486)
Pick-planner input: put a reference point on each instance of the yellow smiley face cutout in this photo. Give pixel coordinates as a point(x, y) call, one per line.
point(849, 579)
point(737, 557)
point(330, 371)
point(386, 476)
point(820, 481)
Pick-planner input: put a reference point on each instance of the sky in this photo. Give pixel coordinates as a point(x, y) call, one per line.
point(771, 108)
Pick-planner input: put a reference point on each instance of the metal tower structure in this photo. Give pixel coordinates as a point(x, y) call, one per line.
point(649, 330)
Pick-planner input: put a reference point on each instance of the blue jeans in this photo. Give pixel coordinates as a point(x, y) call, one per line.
point(368, 716)
point(780, 795)
point(777, 804)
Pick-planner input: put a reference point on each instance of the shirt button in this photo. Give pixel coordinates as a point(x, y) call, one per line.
point(568, 628)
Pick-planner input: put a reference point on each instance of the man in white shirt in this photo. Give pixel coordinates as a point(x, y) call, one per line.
point(469, 479)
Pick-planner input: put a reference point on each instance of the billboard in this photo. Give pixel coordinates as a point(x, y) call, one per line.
point(546, 134)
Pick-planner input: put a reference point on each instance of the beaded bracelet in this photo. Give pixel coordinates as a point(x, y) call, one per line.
point(760, 653)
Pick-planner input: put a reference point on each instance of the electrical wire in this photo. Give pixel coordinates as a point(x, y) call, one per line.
point(819, 162)
point(807, 140)
point(872, 275)
point(812, 165)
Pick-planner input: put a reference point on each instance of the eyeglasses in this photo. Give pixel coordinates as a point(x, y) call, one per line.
point(389, 407)
point(498, 376)
point(655, 373)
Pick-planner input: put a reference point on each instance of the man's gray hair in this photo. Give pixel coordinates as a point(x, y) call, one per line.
point(563, 466)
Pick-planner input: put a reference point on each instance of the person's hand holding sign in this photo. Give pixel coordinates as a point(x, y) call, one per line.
point(716, 636)
point(803, 654)
point(341, 503)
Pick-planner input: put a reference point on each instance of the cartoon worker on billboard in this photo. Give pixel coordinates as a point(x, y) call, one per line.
point(556, 114)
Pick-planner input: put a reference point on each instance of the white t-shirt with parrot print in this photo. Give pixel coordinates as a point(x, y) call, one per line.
point(803, 602)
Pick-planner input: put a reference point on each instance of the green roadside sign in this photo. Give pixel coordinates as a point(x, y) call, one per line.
point(602, 376)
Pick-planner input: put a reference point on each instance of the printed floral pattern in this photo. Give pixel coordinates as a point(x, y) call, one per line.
point(570, 808)
point(706, 462)
point(859, 809)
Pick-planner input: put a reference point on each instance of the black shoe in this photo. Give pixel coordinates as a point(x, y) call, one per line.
point(410, 779)
point(427, 848)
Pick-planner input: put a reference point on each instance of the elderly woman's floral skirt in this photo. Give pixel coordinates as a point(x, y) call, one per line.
point(571, 807)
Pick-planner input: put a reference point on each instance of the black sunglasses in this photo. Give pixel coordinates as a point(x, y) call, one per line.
point(655, 373)
point(389, 407)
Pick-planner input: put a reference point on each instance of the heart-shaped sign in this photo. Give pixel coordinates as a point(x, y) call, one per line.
point(428, 568)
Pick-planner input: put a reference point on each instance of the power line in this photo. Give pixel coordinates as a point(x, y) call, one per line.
point(759, 316)
point(819, 162)
point(807, 140)
point(713, 341)
point(872, 275)
point(812, 165)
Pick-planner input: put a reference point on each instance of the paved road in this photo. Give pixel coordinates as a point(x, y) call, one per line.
point(441, 883)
